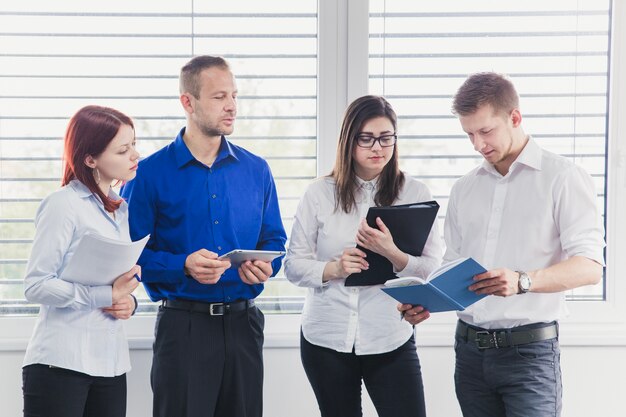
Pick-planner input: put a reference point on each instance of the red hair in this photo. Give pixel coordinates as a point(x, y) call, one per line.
point(89, 132)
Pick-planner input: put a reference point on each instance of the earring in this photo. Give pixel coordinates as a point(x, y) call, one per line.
point(96, 175)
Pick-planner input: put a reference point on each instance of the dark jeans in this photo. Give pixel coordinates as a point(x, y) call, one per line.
point(58, 392)
point(393, 380)
point(208, 366)
point(517, 381)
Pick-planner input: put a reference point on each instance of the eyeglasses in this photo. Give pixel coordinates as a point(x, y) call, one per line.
point(385, 141)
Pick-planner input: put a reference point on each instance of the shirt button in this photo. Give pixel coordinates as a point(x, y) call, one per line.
point(216, 222)
point(214, 196)
point(219, 248)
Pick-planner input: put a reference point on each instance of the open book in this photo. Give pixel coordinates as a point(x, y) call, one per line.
point(99, 260)
point(445, 289)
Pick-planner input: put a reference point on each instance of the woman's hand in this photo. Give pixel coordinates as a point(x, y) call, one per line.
point(380, 241)
point(123, 309)
point(352, 261)
point(125, 284)
point(413, 314)
point(377, 240)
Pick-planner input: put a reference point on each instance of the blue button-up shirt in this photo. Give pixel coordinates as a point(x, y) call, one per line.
point(186, 206)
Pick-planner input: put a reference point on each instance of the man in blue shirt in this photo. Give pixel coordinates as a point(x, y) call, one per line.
point(199, 197)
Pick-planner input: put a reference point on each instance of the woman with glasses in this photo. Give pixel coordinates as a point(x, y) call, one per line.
point(354, 334)
point(76, 362)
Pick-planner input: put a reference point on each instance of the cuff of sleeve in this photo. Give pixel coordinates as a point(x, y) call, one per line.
point(410, 268)
point(136, 305)
point(318, 274)
point(101, 296)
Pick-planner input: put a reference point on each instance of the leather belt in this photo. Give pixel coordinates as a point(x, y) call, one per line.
point(213, 309)
point(501, 338)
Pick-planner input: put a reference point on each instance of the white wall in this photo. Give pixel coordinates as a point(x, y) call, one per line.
point(593, 374)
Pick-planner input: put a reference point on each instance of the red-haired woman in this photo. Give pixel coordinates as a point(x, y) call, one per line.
point(77, 358)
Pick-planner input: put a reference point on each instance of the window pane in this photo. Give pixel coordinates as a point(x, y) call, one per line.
point(556, 53)
point(56, 57)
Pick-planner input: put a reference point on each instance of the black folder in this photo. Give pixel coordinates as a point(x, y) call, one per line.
point(409, 225)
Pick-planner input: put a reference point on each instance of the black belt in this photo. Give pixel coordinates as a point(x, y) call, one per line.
point(501, 338)
point(213, 309)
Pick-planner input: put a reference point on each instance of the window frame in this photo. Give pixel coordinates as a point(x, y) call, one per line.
point(343, 76)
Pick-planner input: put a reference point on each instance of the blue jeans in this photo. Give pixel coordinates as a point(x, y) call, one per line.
point(517, 381)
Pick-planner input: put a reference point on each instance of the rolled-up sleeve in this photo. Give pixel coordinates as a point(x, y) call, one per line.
point(577, 216)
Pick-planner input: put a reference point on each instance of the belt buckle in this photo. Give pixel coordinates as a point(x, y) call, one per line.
point(485, 339)
point(212, 312)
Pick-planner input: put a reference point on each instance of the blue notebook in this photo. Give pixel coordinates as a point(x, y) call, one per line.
point(444, 290)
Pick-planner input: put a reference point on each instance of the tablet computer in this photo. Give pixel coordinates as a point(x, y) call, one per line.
point(239, 256)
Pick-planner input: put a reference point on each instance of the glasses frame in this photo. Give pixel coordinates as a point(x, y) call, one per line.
point(377, 139)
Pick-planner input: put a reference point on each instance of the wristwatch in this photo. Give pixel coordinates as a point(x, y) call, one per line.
point(524, 283)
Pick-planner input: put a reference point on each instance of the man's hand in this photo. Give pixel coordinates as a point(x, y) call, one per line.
point(413, 314)
point(123, 309)
point(204, 267)
point(502, 282)
point(255, 272)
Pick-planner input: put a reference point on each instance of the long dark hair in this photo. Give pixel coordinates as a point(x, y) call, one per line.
point(89, 132)
point(391, 179)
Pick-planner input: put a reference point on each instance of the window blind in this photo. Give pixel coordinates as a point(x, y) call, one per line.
point(56, 57)
point(555, 52)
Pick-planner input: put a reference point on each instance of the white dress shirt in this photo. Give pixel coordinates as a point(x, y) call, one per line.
point(72, 331)
point(541, 212)
point(336, 316)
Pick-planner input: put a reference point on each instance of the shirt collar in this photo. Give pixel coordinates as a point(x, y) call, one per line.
point(530, 156)
point(371, 184)
point(83, 192)
point(80, 188)
point(183, 155)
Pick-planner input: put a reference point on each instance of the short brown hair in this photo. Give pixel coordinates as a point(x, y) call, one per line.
point(189, 82)
point(485, 88)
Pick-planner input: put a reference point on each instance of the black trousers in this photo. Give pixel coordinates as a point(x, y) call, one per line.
point(208, 366)
point(58, 392)
point(393, 380)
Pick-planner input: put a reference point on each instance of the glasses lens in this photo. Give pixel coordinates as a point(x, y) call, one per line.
point(387, 140)
point(365, 141)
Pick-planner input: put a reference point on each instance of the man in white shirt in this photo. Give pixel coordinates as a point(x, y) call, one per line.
point(529, 216)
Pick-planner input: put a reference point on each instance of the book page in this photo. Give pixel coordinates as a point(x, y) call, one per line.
point(445, 267)
point(404, 281)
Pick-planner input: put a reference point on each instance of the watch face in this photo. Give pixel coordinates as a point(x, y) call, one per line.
point(524, 282)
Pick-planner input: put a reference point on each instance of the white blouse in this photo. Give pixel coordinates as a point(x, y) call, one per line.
point(336, 316)
point(72, 332)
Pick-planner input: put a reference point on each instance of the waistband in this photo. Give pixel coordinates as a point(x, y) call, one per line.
point(213, 309)
point(501, 338)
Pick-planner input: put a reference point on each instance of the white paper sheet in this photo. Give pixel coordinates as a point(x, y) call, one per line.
point(99, 260)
